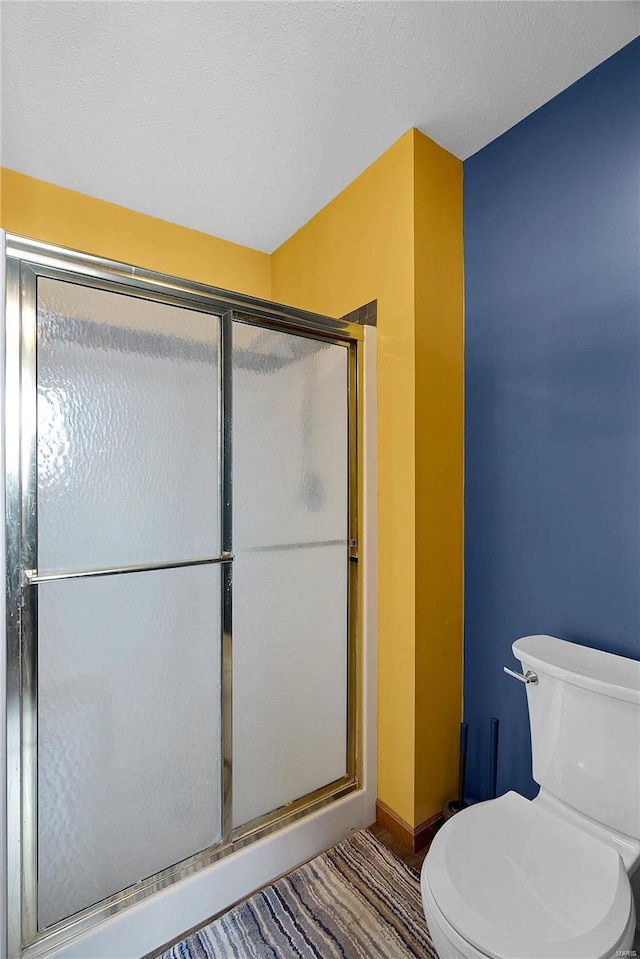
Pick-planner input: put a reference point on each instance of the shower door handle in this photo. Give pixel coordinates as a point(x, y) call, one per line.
point(528, 677)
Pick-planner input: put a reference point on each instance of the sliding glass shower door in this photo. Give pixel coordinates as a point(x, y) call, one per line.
point(128, 601)
point(182, 570)
point(290, 575)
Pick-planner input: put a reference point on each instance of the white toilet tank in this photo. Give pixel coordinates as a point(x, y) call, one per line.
point(584, 712)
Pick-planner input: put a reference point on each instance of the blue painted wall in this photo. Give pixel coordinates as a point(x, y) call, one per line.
point(552, 499)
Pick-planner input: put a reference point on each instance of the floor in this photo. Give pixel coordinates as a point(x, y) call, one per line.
point(413, 859)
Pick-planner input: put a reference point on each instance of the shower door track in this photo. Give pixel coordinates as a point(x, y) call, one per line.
point(27, 260)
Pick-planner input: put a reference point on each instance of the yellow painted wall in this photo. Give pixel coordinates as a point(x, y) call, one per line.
point(53, 214)
point(360, 248)
point(395, 235)
point(439, 366)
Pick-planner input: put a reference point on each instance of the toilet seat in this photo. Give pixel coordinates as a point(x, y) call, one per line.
point(518, 882)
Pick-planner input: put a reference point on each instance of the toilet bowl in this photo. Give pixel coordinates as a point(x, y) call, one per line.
point(514, 878)
point(509, 879)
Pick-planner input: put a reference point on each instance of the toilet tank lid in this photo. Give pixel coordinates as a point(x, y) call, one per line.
point(593, 669)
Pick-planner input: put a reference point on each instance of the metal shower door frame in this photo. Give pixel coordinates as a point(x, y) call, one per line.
point(26, 261)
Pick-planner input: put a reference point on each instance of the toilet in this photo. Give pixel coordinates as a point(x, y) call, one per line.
point(548, 878)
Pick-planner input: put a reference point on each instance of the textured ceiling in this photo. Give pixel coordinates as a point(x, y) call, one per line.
point(243, 119)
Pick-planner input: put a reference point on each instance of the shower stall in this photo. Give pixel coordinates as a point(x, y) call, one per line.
point(184, 667)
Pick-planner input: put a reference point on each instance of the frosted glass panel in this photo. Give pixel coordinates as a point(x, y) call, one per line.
point(290, 533)
point(129, 767)
point(290, 438)
point(289, 676)
point(128, 404)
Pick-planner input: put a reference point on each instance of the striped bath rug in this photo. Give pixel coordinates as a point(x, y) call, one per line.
point(356, 901)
